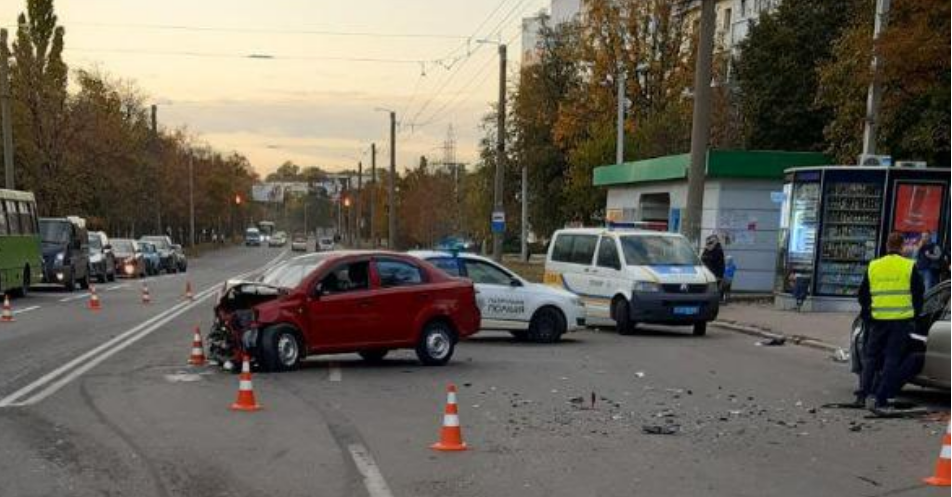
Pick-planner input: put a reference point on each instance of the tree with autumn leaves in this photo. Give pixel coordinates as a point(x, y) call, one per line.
point(92, 152)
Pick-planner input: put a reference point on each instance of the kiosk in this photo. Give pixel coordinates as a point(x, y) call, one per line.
point(835, 220)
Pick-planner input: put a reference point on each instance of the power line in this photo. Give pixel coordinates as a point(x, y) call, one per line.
point(245, 30)
point(446, 81)
point(252, 55)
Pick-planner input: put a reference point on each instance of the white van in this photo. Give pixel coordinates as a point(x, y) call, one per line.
point(634, 276)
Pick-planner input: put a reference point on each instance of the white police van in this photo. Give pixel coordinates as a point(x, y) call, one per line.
point(633, 276)
point(507, 302)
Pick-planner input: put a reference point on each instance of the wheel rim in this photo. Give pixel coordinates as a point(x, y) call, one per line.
point(547, 324)
point(438, 344)
point(287, 350)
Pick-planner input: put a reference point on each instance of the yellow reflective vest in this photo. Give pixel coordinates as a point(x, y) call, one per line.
point(890, 286)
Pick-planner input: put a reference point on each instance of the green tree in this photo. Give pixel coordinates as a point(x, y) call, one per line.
point(777, 78)
point(914, 115)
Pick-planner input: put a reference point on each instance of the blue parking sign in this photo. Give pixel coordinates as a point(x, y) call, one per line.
point(498, 222)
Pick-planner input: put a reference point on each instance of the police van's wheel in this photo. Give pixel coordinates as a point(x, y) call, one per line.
point(700, 329)
point(436, 344)
point(281, 349)
point(375, 355)
point(547, 325)
point(622, 317)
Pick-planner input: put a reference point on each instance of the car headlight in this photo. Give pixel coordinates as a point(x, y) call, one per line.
point(647, 287)
point(60, 257)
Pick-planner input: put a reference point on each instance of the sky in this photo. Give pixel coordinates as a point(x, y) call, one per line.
point(301, 80)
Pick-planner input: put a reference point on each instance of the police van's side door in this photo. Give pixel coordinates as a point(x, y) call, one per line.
point(604, 277)
point(502, 297)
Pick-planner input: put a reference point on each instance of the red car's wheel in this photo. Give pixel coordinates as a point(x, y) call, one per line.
point(436, 344)
point(281, 349)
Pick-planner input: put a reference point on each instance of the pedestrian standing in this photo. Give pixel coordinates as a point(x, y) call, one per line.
point(890, 298)
point(929, 259)
point(729, 270)
point(713, 257)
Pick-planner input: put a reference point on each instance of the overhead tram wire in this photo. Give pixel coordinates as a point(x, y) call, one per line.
point(452, 66)
point(416, 122)
point(496, 31)
point(247, 30)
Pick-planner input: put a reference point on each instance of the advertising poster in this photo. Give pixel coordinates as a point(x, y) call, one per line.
point(917, 208)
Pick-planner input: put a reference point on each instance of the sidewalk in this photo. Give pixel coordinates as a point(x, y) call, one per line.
point(824, 330)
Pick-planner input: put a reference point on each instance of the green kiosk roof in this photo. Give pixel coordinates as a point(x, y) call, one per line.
point(743, 164)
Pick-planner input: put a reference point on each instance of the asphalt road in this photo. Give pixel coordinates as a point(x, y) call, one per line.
point(103, 404)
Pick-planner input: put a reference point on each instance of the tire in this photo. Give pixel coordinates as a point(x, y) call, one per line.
point(437, 343)
point(547, 325)
point(623, 323)
point(700, 329)
point(520, 335)
point(373, 355)
point(281, 349)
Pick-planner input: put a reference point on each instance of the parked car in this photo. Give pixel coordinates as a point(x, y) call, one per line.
point(507, 302)
point(338, 302)
point(325, 243)
point(178, 255)
point(163, 244)
point(299, 243)
point(932, 337)
point(65, 245)
point(102, 261)
point(130, 260)
point(150, 254)
point(634, 276)
point(252, 237)
point(278, 239)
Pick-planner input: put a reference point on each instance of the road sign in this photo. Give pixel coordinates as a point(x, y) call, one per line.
point(498, 222)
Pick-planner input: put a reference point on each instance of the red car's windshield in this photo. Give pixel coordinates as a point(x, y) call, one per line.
point(290, 274)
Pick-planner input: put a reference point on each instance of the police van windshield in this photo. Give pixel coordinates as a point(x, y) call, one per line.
point(655, 250)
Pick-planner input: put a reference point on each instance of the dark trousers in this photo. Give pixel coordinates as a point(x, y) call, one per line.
point(883, 354)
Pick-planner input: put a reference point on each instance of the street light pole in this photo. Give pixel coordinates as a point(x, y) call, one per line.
point(357, 204)
point(620, 124)
point(392, 186)
point(373, 194)
point(5, 114)
point(191, 200)
point(874, 94)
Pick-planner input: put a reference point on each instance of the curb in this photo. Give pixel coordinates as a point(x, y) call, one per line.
point(762, 333)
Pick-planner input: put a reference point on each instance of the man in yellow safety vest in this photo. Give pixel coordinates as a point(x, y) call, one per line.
point(891, 298)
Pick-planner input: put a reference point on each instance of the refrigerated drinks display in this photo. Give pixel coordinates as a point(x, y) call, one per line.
point(804, 220)
point(852, 215)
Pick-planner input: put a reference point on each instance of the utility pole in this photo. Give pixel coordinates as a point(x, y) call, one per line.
point(373, 194)
point(701, 125)
point(620, 124)
point(5, 114)
point(498, 205)
point(191, 200)
point(357, 202)
point(874, 94)
point(392, 187)
point(155, 156)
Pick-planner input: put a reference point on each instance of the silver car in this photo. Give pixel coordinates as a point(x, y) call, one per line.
point(934, 321)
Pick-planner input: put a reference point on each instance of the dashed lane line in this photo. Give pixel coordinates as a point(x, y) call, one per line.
point(26, 309)
point(373, 479)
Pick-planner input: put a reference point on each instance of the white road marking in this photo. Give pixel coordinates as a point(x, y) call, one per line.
point(26, 309)
point(373, 478)
point(117, 287)
point(56, 379)
point(334, 372)
point(74, 297)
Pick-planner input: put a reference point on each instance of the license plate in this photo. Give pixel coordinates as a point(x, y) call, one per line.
point(686, 311)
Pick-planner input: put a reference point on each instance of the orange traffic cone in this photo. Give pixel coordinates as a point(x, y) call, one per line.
point(197, 358)
point(7, 316)
point(188, 291)
point(146, 298)
point(246, 392)
point(451, 437)
point(94, 304)
point(941, 477)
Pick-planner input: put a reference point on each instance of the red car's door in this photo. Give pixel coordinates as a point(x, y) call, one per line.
point(402, 295)
point(343, 312)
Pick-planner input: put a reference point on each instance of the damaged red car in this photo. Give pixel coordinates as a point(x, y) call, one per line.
point(337, 302)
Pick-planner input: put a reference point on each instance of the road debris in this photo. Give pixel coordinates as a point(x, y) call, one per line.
point(772, 342)
point(669, 429)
